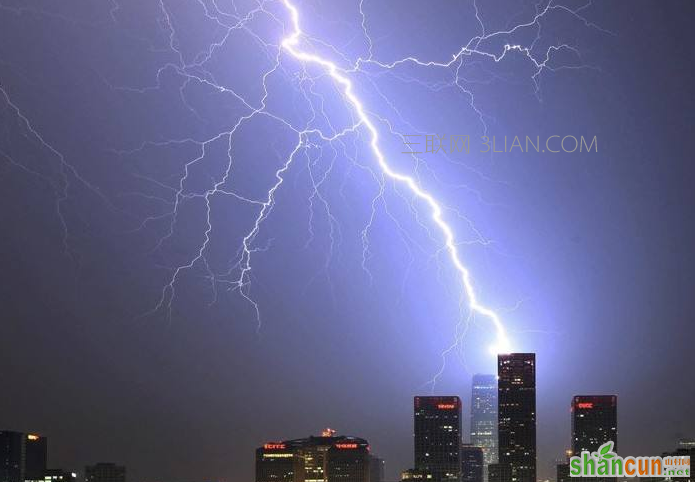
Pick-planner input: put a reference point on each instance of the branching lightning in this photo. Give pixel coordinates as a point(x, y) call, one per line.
point(435, 219)
point(291, 43)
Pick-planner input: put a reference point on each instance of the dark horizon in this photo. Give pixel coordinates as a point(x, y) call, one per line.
point(192, 268)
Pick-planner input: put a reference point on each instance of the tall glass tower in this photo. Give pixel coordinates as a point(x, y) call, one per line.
point(484, 417)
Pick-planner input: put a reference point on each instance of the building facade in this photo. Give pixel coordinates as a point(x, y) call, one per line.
point(275, 462)
point(484, 417)
point(12, 456)
point(499, 472)
point(348, 461)
point(516, 394)
point(325, 458)
point(36, 457)
point(438, 437)
point(472, 463)
point(594, 422)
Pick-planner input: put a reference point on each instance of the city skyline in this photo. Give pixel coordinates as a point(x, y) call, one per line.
point(441, 453)
point(231, 222)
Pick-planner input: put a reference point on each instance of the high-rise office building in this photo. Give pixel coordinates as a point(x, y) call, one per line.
point(472, 462)
point(36, 457)
point(594, 422)
point(484, 417)
point(275, 462)
point(517, 415)
point(12, 456)
point(104, 472)
point(438, 437)
point(348, 461)
point(327, 458)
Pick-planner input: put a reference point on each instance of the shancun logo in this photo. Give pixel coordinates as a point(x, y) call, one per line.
point(606, 463)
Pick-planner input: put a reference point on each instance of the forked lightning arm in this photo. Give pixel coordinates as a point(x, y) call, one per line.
point(298, 45)
point(291, 44)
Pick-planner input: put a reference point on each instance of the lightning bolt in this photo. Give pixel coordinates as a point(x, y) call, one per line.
point(291, 44)
point(428, 212)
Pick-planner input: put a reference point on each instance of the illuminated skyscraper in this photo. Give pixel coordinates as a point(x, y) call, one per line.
point(594, 422)
point(484, 417)
point(438, 437)
point(328, 458)
point(517, 415)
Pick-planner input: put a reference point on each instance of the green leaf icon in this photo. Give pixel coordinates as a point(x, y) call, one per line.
point(606, 448)
point(609, 456)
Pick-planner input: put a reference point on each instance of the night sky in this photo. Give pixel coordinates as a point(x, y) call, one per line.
point(587, 257)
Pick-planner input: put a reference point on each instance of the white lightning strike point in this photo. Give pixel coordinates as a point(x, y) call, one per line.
point(290, 43)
